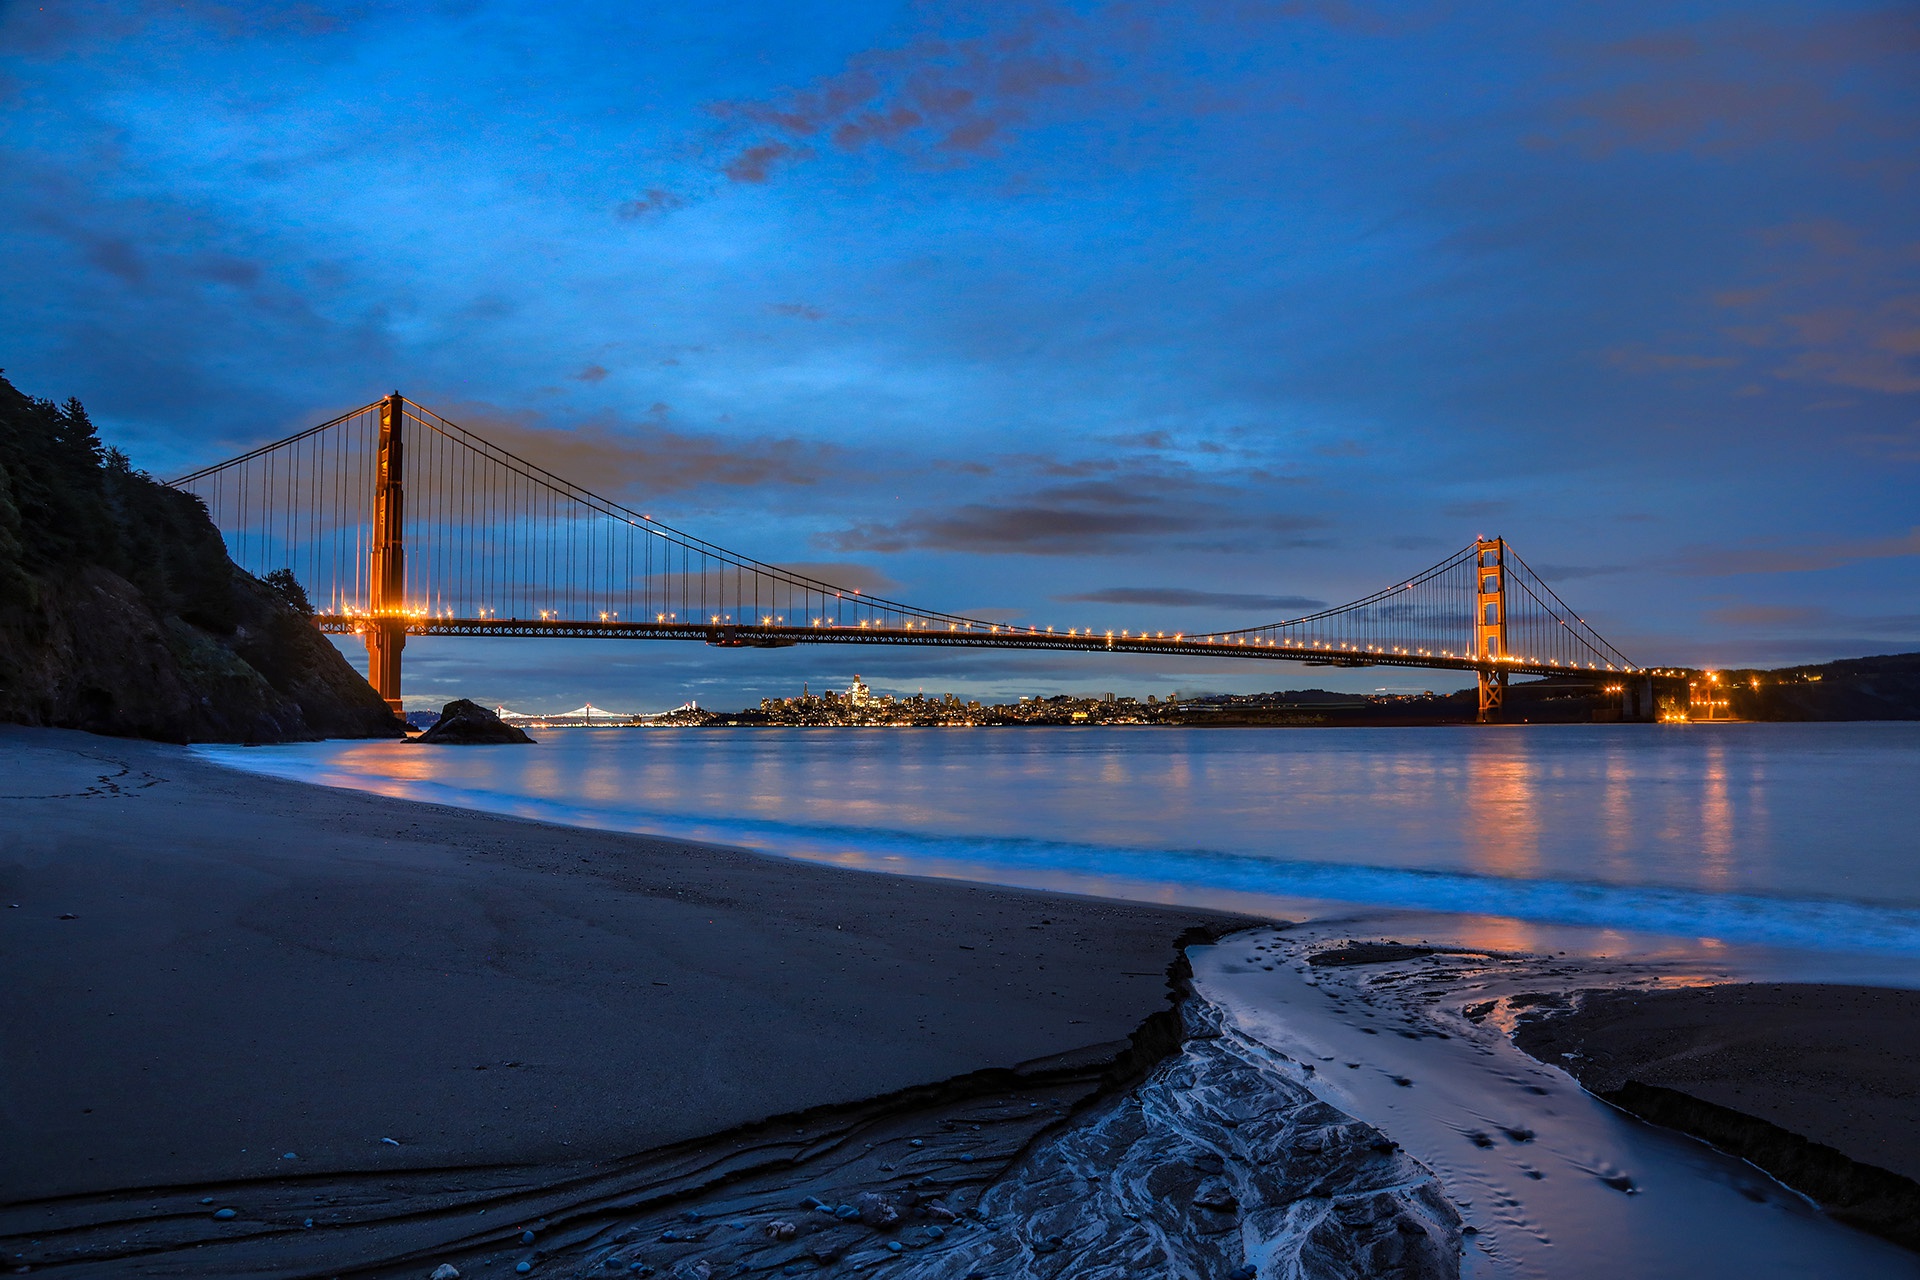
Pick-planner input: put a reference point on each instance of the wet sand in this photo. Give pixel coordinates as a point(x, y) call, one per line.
point(1837, 1065)
point(1817, 1084)
point(213, 977)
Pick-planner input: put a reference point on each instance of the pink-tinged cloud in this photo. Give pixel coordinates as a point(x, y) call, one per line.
point(1798, 558)
point(846, 573)
point(653, 201)
point(1640, 359)
point(637, 460)
point(1769, 616)
point(1832, 306)
point(592, 373)
point(1738, 84)
point(931, 97)
point(798, 310)
point(755, 164)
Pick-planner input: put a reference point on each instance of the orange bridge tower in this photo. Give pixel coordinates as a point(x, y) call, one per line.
point(1490, 624)
point(386, 633)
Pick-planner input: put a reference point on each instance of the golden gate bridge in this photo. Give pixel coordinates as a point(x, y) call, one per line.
point(401, 523)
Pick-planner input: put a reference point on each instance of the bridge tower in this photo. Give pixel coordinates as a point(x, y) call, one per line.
point(386, 634)
point(1490, 623)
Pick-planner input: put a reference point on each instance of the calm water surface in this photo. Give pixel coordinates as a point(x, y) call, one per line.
point(1791, 835)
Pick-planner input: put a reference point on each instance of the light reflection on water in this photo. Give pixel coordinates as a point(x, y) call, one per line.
point(1768, 833)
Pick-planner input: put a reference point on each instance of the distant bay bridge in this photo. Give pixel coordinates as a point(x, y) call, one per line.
point(400, 523)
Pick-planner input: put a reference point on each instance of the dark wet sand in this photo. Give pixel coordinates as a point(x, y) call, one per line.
point(256, 968)
point(1837, 1065)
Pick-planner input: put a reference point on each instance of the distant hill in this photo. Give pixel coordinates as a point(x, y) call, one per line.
point(120, 612)
point(1879, 688)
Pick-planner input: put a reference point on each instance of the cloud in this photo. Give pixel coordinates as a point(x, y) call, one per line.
point(1728, 84)
point(798, 310)
point(1637, 358)
point(1831, 305)
point(1775, 617)
point(1023, 530)
point(846, 573)
point(1575, 572)
point(930, 97)
point(1770, 616)
point(649, 458)
point(1185, 598)
point(1089, 528)
point(45, 26)
point(755, 164)
point(1799, 558)
point(591, 373)
point(652, 202)
point(1478, 509)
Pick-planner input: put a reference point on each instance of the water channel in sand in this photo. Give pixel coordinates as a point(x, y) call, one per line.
point(1553, 1182)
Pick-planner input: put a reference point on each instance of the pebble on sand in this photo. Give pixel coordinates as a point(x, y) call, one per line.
point(225, 1214)
point(445, 1271)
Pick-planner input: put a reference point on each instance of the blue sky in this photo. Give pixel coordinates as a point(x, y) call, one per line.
point(1004, 305)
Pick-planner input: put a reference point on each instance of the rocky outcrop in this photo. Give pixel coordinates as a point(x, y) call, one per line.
point(91, 652)
point(463, 722)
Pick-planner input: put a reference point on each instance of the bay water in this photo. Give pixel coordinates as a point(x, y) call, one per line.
point(1787, 836)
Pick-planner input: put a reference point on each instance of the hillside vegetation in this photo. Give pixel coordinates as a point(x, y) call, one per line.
point(121, 613)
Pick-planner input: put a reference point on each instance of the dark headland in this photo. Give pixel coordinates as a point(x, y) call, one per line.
point(121, 613)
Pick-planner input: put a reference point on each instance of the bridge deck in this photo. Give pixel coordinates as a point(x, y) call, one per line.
point(776, 636)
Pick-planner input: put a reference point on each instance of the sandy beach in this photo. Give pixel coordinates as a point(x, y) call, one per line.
point(208, 971)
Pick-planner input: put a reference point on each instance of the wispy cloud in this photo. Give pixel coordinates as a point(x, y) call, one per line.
point(647, 458)
point(1186, 598)
point(1019, 530)
point(1798, 557)
point(1769, 616)
point(846, 573)
point(1730, 83)
point(652, 202)
point(930, 97)
point(1576, 572)
point(1138, 509)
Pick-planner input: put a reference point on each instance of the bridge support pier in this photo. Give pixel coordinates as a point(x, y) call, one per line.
point(385, 639)
point(1493, 693)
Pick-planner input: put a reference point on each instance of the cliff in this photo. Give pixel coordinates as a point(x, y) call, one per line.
point(120, 612)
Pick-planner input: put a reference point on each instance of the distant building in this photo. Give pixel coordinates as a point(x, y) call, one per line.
point(858, 693)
